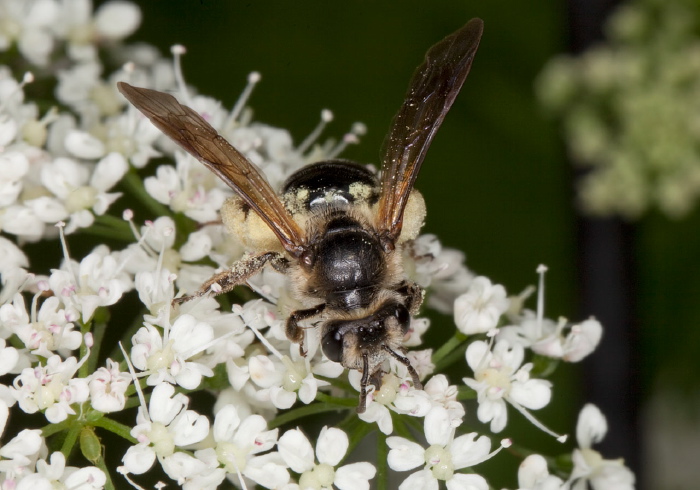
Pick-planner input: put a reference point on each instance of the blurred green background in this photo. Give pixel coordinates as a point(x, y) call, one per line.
point(496, 180)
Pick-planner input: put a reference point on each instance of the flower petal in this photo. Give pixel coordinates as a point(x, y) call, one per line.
point(420, 480)
point(354, 476)
point(591, 426)
point(467, 450)
point(438, 427)
point(331, 446)
point(467, 482)
point(296, 451)
point(404, 455)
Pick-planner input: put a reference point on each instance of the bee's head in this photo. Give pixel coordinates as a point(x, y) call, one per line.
point(365, 343)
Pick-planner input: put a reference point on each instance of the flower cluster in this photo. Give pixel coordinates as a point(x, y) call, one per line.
point(628, 110)
point(214, 389)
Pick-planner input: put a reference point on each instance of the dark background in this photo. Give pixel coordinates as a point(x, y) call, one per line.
point(496, 180)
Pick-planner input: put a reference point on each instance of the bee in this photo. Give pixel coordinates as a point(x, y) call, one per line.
point(336, 229)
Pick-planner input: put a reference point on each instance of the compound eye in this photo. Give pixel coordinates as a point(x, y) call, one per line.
point(403, 317)
point(332, 343)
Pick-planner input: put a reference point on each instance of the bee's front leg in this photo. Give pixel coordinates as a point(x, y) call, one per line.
point(238, 274)
point(295, 333)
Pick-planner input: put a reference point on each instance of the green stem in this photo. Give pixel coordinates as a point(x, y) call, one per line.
point(71, 437)
point(109, 484)
point(98, 334)
point(107, 233)
point(115, 427)
point(448, 346)
point(51, 429)
point(327, 404)
point(452, 357)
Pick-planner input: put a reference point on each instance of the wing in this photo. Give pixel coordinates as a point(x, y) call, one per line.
point(431, 92)
point(189, 130)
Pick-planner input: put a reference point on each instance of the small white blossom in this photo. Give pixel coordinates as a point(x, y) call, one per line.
point(20, 454)
point(108, 388)
point(168, 357)
point(331, 446)
point(589, 465)
point(166, 426)
point(240, 444)
point(499, 377)
point(55, 474)
point(479, 309)
point(99, 280)
point(51, 388)
point(442, 459)
point(49, 330)
point(533, 475)
point(439, 268)
point(189, 188)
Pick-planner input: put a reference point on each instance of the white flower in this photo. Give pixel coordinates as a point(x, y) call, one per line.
point(331, 446)
point(99, 280)
point(239, 444)
point(396, 394)
point(82, 189)
point(13, 167)
point(589, 465)
point(443, 394)
point(479, 309)
point(166, 426)
point(282, 380)
point(52, 329)
point(108, 387)
point(189, 188)
point(19, 455)
point(51, 388)
point(57, 475)
point(440, 269)
point(544, 336)
point(9, 358)
point(28, 24)
point(167, 358)
point(499, 377)
point(442, 458)
point(533, 475)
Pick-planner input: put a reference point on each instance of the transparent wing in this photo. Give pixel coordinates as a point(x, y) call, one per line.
point(431, 92)
point(189, 130)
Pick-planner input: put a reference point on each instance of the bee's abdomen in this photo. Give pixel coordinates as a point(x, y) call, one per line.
point(330, 182)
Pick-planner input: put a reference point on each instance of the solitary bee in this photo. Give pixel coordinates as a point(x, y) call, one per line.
point(336, 228)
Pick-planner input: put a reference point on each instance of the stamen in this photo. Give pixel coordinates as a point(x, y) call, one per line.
point(505, 443)
point(352, 138)
point(137, 386)
point(263, 291)
point(60, 225)
point(559, 437)
point(125, 473)
point(253, 79)
point(541, 269)
point(263, 340)
point(177, 51)
point(326, 117)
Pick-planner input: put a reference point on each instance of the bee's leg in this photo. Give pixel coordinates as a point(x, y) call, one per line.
point(294, 332)
point(414, 295)
point(362, 406)
point(238, 274)
point(406, 362)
